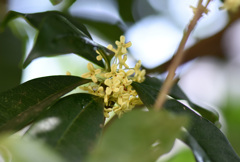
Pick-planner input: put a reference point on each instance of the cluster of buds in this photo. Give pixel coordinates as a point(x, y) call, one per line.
point(115, 85)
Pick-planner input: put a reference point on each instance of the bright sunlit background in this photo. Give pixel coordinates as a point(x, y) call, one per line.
point(155, 36)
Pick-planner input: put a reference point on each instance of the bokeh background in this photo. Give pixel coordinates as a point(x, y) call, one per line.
point(210, 75)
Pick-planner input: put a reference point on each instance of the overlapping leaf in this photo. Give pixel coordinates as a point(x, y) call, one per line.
point(206, 135)
point(116, 28)
point(21, 105)
point(138, 136)
point(177, 93)
point(59, 34)
point(72, 125)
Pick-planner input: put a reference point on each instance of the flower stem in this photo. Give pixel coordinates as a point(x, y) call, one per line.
point(168, 83)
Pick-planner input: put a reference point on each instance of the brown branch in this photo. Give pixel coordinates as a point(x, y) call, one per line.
point(179, 56)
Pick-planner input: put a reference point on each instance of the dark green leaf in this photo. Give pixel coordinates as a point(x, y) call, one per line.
point(21, 105)
point(138, 136)
point(71, 125)
point(10, 59)
point(208, 137)
point(59, 34)
point(199, 154)
point(177, 93)
point(126, 10)
point(56, 2)
point(36, 19)
point(110, 31)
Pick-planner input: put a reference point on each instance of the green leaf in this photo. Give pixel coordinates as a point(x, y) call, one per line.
point(36, 19)
point(15, 149)
point(126, 10)
point(21, 105)
point(110, 31)
point(177, 93)
point(59, 34)
point(55, 2)
point(10, 59)
point(184, 155)
point(208, 137)
point(138, 136)
point(71, 126)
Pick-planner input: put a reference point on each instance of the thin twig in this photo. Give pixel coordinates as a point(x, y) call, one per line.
point(168, 83)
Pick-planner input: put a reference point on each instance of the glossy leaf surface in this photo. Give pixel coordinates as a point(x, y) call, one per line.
point(109, 31)
point(60, 34)
point(21, 105)
point(138, 136)
point(205, 134)
point(71, 126)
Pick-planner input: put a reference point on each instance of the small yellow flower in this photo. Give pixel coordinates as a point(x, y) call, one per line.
point(124, 76)
point(110, 47)
point(122, 45)
point(141, 76)
point(92, 73)
point(132, 102)
point(68, 73)
point(100, 92)
point(120, 109)
point(123, 98)
point(113, 85)
point(113, 71)
point(137, 65)
point(106, 112)
point(122, 62)
point(99, 57)
point(231, 5)
point(106, 98)
point(87, 88)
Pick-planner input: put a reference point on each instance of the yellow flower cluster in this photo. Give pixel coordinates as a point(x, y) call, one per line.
point(115, 85)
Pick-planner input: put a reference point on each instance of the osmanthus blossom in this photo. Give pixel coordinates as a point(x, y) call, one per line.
point(92, 72)
point(231, 5)
point(115, 85)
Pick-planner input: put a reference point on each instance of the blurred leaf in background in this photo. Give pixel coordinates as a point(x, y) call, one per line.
point(185, 155)
point(232, 116)
point(15, 149)
point(139, 136)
